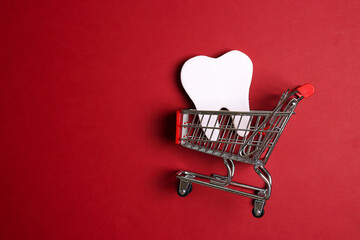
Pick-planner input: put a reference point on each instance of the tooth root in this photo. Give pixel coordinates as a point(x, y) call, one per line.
point(211, 125)
point(211, 121)
point(241, 122)
point(215, 83)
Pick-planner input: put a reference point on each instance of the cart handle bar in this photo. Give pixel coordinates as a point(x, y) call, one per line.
point(306, 90)
point(301, 92)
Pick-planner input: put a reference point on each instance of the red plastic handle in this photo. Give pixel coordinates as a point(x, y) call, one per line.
point(306, 90)
point(178, 127)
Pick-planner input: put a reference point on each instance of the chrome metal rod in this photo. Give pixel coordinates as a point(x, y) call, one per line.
point(191, 178)
point(215, 177)
point(238, 184)
point(267, 173)
point(249, 195)
point(246, 186)
point(229, 171)
point(266, 180)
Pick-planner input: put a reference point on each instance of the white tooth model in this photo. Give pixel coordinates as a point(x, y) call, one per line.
point(216, 83)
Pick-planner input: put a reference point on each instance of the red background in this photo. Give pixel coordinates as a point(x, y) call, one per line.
point(88, 96)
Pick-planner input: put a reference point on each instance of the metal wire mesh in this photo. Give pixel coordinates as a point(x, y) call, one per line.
point(251, 144)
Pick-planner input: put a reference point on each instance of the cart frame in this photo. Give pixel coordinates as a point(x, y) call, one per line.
point(254, 147)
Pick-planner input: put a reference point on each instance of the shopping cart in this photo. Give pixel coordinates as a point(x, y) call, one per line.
point(255, 146)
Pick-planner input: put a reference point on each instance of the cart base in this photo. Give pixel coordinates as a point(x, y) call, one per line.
point(221, 183)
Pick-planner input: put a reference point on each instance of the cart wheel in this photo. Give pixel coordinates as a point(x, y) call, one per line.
point(184, 189)
point(255, 200)
point(258, 210)
point(257, 215)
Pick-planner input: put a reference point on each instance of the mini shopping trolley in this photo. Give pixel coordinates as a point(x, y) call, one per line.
point(254, 147)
